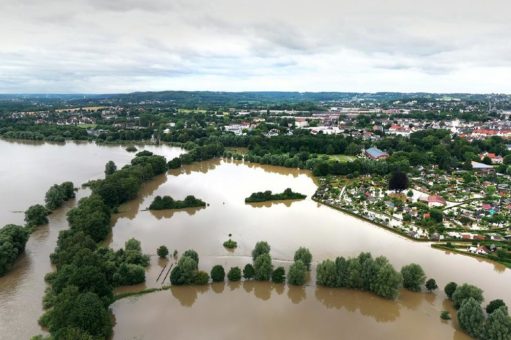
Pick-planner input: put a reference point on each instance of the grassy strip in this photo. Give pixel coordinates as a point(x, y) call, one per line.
point(454, 250)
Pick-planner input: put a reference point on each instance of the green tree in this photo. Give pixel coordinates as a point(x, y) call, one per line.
point(431, 285)
point(193, 254)
point(234, 274)
point(326, 274)
point(303, 254)
point(471, 317)
point(248, 271)
point(464, 292)
point(54, 197)
point(36, 215)
point(261, 247)
point(278, 275)
point(162, 251)
point(84, 311)
point(201, 278)
point(218, 273)
point(110, 168)
point(445, 315)
point(263, 267)
point(297, 272)
point(450, 288)
point(13, 239)
point(387, 282)
point(413, 277)
point(494, 305)
point(498, 325)
point(436, 215)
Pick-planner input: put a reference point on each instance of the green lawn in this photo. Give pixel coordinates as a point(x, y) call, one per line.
point(342, 158)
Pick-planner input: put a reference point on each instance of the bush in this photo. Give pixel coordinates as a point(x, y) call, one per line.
point(413, 277)
point(278, 275)
point(131, 148)
point(217, 273)
point(248, 271)
point(450, 288)
point(297, 272)
point(234, 274)
point(494, 305)
point(445, 315)
point(230, 244)
point(162, 251)
point(431, 285)
point(201, 278)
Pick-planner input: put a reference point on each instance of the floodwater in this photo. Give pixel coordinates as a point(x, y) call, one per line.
point(26, 173)
point(261, 310)
point(252, 310)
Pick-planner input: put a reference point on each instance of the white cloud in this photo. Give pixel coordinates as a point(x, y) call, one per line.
point(333, 45)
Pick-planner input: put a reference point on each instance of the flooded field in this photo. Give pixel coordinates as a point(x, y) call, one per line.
point(252, 310)
point(26, 174)
point(258, 310)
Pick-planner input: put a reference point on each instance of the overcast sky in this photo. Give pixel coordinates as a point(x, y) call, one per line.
point(104, 46)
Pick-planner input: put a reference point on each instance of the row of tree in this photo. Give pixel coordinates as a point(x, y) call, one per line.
point(492, 324)
point(265, 196)
point(13, 238)
point(167, 202)
point(81, 288)
point(186, 271)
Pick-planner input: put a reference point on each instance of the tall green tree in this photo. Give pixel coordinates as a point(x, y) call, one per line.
point(261, 247)
point(303, 254)
point(464, 292)
point(263, 267)
point(471, 317)
point(297, 273)
point(413, 277)
point(498, 325)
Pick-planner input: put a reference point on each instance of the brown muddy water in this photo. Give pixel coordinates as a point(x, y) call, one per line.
point(251, 310)
point(261, 310)
point(26, 173)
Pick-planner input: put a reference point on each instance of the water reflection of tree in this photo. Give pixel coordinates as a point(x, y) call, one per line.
point(218, 287)
point(168, 213)
point(268, 204)
point(202, 167)
point(368, 304)
point(187, 295)
point(261, 289)
point(296, 294)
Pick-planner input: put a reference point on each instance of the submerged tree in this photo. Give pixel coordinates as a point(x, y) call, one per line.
point(471, 317)
point(413, 277)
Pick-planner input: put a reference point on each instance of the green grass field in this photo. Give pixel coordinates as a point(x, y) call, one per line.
point(342, 158)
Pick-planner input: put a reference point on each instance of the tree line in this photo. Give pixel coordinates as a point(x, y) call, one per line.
point(265, 196)
point(167, 202)
point(13, 238)
point(81, 289)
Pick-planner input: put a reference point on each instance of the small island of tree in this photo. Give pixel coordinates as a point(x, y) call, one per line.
point(266, 196)
point(162, 251)
point(230, 244)
point(167, 202)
